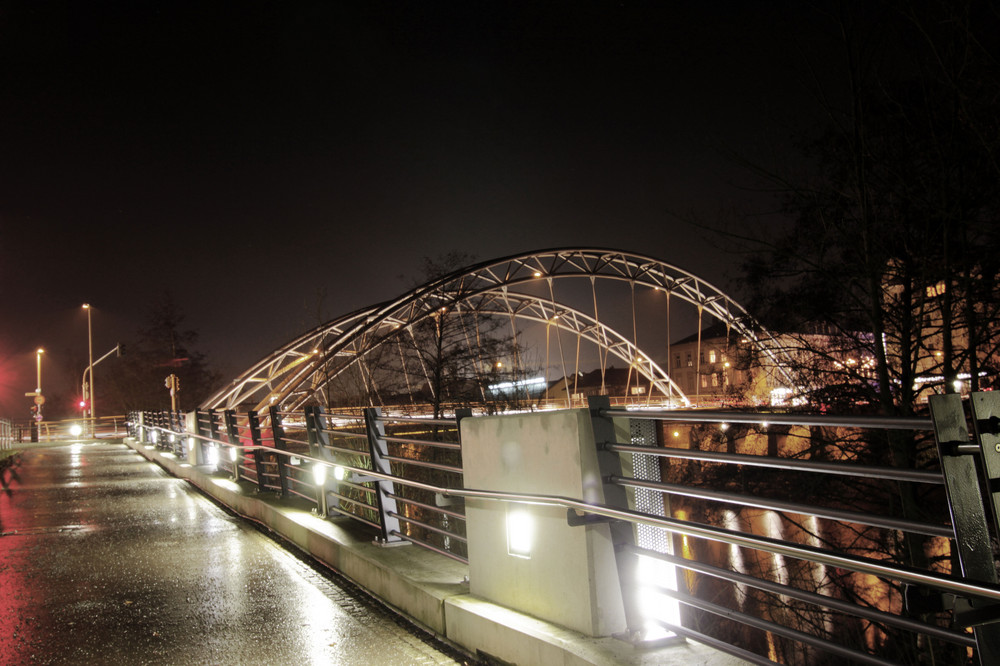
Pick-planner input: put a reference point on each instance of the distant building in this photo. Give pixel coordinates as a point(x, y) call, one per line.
point(709, 367)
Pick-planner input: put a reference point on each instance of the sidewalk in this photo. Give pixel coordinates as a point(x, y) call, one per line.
point(105, 558)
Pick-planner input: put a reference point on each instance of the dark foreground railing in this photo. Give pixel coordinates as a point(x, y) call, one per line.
point(785, 538)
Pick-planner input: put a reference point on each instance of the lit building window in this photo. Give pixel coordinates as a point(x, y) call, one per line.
point(711, 356)
point(935, 290)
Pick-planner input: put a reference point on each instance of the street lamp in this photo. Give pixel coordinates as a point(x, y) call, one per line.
point(90, 379)
point(38, 365)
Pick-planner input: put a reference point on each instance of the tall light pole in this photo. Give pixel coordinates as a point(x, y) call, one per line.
point(90, 380)
point(38, 366)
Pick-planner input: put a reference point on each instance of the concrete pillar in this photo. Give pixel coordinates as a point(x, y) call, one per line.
point(526, 557)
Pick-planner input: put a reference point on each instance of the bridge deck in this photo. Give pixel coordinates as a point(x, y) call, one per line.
point(104, 558)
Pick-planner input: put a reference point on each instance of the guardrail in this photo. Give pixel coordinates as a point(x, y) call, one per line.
point(19, 432)
point(8, 434)
point(797, 537)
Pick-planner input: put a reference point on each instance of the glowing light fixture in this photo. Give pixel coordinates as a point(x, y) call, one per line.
point(520, 531)
point(232, 453)
point(319, 474)
point(76, 430)
point(339, 473)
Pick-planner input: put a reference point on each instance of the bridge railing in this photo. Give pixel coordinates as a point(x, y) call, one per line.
point(794, 537)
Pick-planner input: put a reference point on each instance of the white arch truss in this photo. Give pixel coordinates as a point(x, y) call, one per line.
point(292, 375)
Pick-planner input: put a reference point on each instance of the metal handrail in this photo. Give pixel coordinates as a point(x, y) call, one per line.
point(774, 418)
point(842, 469)
point(758, 502)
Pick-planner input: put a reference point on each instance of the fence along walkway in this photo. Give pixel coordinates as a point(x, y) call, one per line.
point(403, 477)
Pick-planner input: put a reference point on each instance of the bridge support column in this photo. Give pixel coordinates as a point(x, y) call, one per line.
point(527, 556)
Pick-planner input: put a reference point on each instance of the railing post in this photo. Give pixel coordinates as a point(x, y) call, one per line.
point(318, 441)
point(384, 488)
point(278, 434)
point(233, 435)
point(177, 430)
point(986, 426)
point(315, 436)
point(253, 427)
point(622, 533)
point(968, 518)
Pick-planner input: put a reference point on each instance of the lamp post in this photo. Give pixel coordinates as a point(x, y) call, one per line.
point(38, 366)
point(39, 398)
point(90, 377)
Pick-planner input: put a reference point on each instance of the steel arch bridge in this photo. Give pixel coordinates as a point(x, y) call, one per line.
point(520, 288)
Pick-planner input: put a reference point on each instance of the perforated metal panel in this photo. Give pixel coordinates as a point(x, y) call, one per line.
point(647, 468)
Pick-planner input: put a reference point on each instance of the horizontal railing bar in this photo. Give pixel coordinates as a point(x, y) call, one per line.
point(775, 628)
point(718, 644)
point(354, 516)
point(712, 416)
point(302, 495)
point(843, 469)
point(428, 526)
point(349, 452)
point(355, 486)
point(423, 463)
point(791, 507)
point(424, 544)
point(351, 500)
point(873, 614)
point(345, 434)
point(302, 482)
point(423, 442)
point(413, 419)
point(422, 505)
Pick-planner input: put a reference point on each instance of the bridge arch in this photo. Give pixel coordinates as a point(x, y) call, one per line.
point(521, 288)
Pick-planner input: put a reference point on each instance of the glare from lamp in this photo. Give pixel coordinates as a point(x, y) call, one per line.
point(319, 474)
point(520, 531)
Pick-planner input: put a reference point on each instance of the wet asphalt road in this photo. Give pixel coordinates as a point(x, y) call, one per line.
point(105, 559)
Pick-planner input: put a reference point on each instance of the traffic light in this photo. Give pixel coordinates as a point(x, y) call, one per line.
point(82, 404)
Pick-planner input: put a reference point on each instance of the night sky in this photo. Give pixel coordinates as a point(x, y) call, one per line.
point(251, 157)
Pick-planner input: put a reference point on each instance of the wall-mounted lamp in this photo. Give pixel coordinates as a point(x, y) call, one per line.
point(520, 531)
